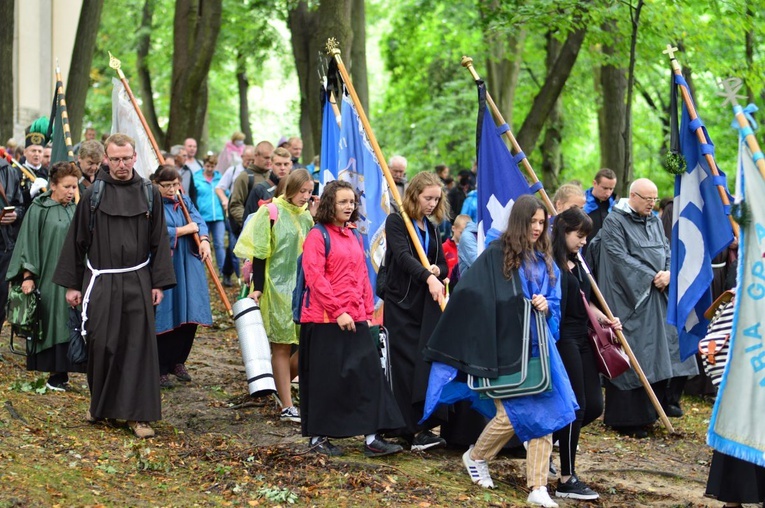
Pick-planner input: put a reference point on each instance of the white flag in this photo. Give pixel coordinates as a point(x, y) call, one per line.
point(125, 120)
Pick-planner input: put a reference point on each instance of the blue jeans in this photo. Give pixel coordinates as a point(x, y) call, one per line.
point(231, 265)
point(216, 230)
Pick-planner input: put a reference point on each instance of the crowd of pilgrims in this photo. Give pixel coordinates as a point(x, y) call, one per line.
point(256, 209)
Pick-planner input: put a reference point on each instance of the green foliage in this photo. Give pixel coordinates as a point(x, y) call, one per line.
point(277, 494)
point(25, 386)
point(429, 106)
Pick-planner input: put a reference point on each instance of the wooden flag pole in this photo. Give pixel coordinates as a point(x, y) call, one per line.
point(116, 65)
point(334, 52)
point(467, 62)
point(700, 132)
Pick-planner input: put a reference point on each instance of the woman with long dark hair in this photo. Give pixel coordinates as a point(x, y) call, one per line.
point(569, 235)
point(481, 333)
point(343, 391)
point(412, 296)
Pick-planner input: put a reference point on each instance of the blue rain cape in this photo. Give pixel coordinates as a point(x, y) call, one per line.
point(476, 322)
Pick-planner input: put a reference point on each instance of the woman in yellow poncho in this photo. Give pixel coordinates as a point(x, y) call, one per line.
point(273, 241)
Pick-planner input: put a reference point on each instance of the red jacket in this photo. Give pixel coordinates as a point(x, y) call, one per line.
point(338, 284)
point(450, 254)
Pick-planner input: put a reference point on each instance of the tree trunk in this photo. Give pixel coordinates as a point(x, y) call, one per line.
point(627, 133)
point(503, 67)
point(552, 157)
point(749, 51)
point(142, 68)
point(612, 111)
point(195, 34)
point(78, 82)
point(545, 99)
point(6, 63)
point(244, 107)
point(358, 68)
point(310, 31)
point(301, 23)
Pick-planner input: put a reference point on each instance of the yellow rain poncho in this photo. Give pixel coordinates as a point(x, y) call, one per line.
point(280, 246)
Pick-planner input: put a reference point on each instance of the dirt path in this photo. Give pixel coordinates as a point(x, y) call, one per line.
point(217, 447)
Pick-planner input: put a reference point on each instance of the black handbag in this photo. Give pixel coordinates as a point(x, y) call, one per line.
point(382, 277)
point(78, 349)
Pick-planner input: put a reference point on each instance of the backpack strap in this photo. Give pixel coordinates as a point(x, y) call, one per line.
point(98, 193)
point(95, 200)
point(323, 230)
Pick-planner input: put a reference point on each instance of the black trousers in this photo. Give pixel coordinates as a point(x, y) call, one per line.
point(579, 360)
point(173, 347)
point(5, 260)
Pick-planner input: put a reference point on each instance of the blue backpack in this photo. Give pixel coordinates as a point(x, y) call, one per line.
point(301, 295)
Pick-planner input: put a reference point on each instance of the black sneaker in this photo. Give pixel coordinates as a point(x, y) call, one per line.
point(380, 447)
point(165, 382)
point(426, 440)
point(324, 447)
point(575, 489)
point(552, 473)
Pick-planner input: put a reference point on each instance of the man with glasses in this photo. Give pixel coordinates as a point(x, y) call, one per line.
point(634, 274)
point(600, 199)
point(116, 266)
point(246, 181)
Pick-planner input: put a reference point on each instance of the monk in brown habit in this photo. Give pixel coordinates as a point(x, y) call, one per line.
point(116, 266)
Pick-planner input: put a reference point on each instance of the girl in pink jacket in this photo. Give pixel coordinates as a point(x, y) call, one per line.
point(342, 387)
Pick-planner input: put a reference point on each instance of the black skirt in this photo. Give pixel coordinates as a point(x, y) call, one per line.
point(53, 359)
point(631, 408)
point(733, 480)
point(343, 391)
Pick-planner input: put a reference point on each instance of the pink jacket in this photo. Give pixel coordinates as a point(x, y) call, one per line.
point(338, 284)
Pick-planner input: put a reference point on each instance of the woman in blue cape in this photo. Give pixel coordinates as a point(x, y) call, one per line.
point(187, 305)
point(489, 344)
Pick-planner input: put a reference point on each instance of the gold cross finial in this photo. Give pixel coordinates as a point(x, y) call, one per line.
point(333, 47)
point(730, 88)
point(670, 51)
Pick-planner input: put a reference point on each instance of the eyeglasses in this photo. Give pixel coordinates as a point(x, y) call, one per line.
point(169, 185)
point(117, 160)
point(651, 200)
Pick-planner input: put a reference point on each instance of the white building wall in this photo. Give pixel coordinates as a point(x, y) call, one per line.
point(45, 30)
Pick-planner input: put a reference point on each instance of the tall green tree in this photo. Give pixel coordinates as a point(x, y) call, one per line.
point(78, 82)
point(195, 33)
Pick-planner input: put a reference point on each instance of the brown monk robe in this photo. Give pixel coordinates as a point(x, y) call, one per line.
point(123, 369)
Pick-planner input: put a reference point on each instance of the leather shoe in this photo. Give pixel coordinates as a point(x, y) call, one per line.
point(673, 411)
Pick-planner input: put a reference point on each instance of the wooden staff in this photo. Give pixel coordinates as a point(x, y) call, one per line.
point(467, 62)
point(334, 51)
point(721, 190)
point(627, 349)
point(116, 65)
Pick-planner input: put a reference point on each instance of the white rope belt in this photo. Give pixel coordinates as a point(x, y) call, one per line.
point(96, 274)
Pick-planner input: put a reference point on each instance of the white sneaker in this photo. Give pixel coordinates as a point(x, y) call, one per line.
point(478, 470)
point(540, 497)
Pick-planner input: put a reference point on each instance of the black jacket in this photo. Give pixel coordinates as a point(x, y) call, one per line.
point(10, 179)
